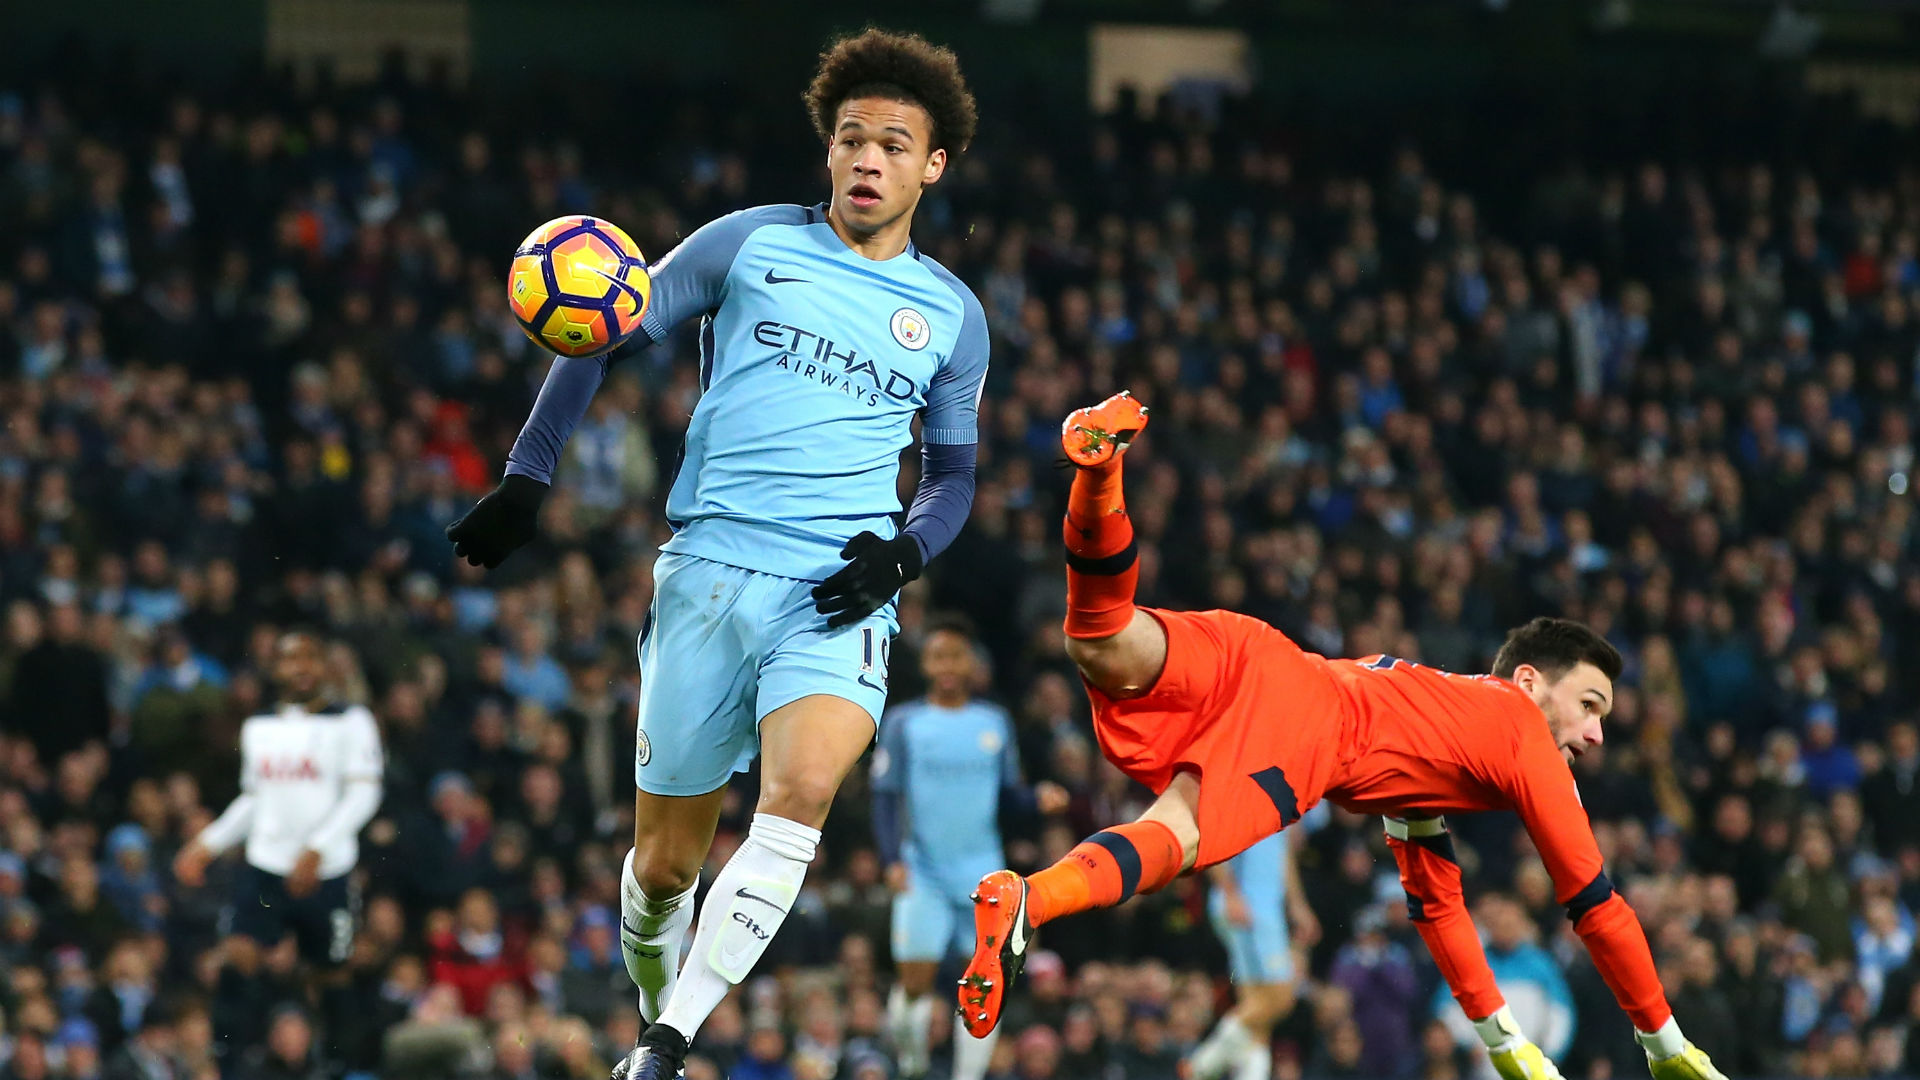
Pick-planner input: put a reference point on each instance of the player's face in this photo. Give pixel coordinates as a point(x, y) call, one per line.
point(948, 663)
point(881, 156)
point(298, 666)
point(1575, 704)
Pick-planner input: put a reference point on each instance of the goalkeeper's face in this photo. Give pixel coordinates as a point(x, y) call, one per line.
point(1575, 704)
point(881, 156)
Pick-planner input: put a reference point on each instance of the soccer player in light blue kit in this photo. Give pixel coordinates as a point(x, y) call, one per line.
point(1249, 903)
point(824, 334)
point(945, 768)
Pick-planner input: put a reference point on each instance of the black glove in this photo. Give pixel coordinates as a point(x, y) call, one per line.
point(874, 573)
point(505, 519)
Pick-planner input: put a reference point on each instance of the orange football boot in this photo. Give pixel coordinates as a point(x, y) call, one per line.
point(1001, 934)
point(1094, 436)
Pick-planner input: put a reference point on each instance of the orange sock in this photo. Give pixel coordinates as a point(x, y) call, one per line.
point(1105, 869)
point(1103, 569)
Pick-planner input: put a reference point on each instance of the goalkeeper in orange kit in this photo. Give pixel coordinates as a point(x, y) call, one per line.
point(1239, 732)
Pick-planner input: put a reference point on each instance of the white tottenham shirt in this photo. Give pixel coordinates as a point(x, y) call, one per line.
point(308, 780)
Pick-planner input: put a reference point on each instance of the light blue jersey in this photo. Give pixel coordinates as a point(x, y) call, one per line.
point(1259, 952)
point(948, 768)
point(814, 363)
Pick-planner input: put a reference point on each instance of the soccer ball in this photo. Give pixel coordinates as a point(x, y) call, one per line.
point(578, 286)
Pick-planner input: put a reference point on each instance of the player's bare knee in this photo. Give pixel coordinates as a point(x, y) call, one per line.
point(1264, 1005)
point(1103, 662)
point(1089, 653)
point(662, 872)
point(916, 979)
point(804, 799)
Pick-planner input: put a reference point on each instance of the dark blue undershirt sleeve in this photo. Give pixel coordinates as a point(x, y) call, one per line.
point(943, 499)
point(889, 780)
point(886, 826)
point(1019, 804)
point(563, 400)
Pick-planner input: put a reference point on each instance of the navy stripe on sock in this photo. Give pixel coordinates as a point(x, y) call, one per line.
point(1115, 563)
point(1125, 855)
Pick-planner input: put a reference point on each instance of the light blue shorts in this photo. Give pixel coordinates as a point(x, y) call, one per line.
point(1258, 953)
point(723, 648)
point(933, 919)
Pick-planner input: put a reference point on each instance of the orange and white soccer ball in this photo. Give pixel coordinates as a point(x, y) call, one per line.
point(578, 286)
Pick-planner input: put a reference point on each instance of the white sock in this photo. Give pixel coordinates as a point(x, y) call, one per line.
point(971, 1056)
point(1220, 1050)
point(1256, 1063)
point(651, 932)
point(745, 907)
point(907, 1022)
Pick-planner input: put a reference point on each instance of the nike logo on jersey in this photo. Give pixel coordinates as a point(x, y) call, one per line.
point(774, 279)
point(870, 684)
point(744, 893)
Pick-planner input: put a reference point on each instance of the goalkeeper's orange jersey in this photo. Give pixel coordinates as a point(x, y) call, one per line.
point(1272, 729)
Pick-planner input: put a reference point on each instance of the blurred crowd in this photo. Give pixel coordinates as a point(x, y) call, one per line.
point(254, 355)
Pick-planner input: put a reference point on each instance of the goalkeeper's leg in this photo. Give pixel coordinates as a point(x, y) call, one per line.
point(1119, 648)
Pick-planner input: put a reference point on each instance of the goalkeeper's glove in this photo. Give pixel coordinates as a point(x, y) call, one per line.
point(874, 573)
point(1512, 1054)
point(504, 520)
point(1671, 1057)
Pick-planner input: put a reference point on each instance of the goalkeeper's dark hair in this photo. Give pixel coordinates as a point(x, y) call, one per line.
point(1555, 646)
point(899, 67)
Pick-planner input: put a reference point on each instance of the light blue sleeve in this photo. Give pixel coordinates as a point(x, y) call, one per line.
point(952, 415)
point(691, 280)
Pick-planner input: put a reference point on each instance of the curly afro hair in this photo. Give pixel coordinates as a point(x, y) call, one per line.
point(900, 67)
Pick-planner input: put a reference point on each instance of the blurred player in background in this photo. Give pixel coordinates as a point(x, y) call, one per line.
point(1254, 894)
point(1239, 732)
point(945, 769)
point(310, 775)
point(824, 335)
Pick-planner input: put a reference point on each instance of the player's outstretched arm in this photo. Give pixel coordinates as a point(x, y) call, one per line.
point(507, 518)
point(1549, 805)
point(1437, 905)
point(222, 833)
point(688, 281)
